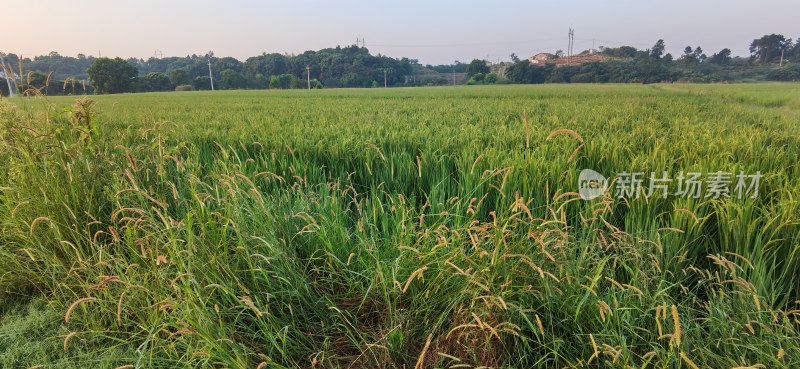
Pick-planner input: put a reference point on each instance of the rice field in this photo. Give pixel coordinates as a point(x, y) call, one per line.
point(400, 228)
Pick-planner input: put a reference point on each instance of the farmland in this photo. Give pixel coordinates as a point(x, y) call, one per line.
point(382, 228)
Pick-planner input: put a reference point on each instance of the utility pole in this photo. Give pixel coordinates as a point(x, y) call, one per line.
point(9, 72)
point(308, 71)
point(571, 43)
point(454, 76)
point(210, 76)
point(385, 84)
point(782, 50)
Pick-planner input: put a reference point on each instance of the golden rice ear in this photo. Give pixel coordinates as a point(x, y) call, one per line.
point(569, 132)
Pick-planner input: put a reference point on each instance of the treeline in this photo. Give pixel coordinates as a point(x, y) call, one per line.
point(350, 66)
point(773, 58)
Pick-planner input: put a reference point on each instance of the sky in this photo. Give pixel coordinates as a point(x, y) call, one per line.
point(434, 32)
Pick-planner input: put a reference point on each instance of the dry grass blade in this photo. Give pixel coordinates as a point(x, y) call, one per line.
point(689, 361)
point(421, 358)
point(416, 274)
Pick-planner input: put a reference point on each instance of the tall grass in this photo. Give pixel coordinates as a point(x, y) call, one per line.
point(411, 228)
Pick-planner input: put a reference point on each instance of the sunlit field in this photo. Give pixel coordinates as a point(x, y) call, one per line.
point(399, 228)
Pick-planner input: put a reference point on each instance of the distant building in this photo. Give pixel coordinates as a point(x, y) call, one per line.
point(541, 58)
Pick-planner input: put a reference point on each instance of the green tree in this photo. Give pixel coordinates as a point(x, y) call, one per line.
point(202, 83)
point(769, 47)
point(157, 81)
point(658, 49)
point(283, 81)
point(620, 52)
point(477, 66)
point(112, 76)
point(723, 57)
point(180, 76)
point(688, 58)
point(232, 80)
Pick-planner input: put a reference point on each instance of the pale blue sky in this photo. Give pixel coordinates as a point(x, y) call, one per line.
point(431, 31)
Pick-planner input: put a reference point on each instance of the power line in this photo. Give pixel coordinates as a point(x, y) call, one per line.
point(471, 44)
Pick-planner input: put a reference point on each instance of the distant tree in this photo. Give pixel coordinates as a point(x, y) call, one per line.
point(620, 52)
point(490, 78)
point(180, 76)
point(157, 81)
point(689, 57)
point(202, 83)
point(525, 72)
point(795, 54)
point(476, 79)
point(657, 51)
point(559, 53)
point(232, 80)
point(514, 58)
point(267, 64)
point(477, 66)
point(651, 70)
point(456, 67)
point(723, 57)
point(769, 47)
point(283, 81)
point(112, 75)
point(260, 81)
point(699, 55)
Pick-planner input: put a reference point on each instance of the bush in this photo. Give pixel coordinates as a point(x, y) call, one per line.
point(787, 73)
point(184, 88)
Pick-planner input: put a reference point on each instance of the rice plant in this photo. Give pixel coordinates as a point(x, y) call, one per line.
point(408, 228)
